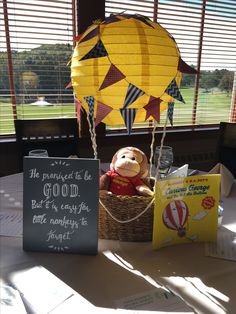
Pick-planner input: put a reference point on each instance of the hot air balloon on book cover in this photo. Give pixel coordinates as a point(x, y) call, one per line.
point(186, 210)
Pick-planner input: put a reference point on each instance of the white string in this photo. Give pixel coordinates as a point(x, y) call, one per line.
point(94, 143)
point(152, 147)
point(128, 220)
point(157, 177)
point(93, 136)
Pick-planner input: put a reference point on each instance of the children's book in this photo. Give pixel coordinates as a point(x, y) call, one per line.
point(186, 210)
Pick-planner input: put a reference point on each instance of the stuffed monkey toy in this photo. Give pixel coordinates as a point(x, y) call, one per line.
point(128, 167)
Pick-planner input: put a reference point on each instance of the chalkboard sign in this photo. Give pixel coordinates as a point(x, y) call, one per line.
point(60, 205)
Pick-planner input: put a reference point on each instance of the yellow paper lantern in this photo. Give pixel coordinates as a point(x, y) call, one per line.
point(126, 68)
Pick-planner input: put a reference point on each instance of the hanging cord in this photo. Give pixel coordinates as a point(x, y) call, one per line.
point(157, 177)
point(93, 136)
point(152, 147)
point(150, 172)
point(94, 142)
point(152, 200)
point(128, 220)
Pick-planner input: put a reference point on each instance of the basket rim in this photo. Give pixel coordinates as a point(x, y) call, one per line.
point(105, 193)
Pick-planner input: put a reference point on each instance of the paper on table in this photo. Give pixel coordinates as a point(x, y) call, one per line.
point(11, 223)
point(75, 302)
point(11, 301)
point(40, 289)
point(225, 247)
point(161, 299)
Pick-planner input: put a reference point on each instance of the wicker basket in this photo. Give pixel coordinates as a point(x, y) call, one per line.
point(123, 209)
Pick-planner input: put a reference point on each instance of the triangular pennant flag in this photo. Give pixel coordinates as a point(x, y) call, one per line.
point(173, 91)
point(142, 19)
point(111, 19)
point(96, 52)
point(170, 112)
point(102, 111)
point(78, 108)
point(183, 67)
point(153, 108)
point(127, 16)
point(138, 17)
point(113, 76)
point(128, 116)
point(91, 34)
point(90, 101)
point(69, 85)
point(77, 38)
point(132, 94)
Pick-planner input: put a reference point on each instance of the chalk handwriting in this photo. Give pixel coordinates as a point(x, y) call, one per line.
point(65, 222)
point(34, 174)
point(60, 237)
point(63, 190)
point(76, 209)
point(60, 203)
point(39, 219)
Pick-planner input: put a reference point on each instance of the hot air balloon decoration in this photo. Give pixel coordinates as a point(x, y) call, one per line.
point(127, 69)
point(175, 216)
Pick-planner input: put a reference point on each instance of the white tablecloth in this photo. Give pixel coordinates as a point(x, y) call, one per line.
point(124, 272)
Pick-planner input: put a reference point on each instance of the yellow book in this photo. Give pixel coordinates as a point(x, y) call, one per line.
point(186, 210)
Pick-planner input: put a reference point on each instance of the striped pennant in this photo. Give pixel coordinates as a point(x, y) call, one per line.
point(128, 116)
point(132, 94)
point(170, 112)
point(90, 101)
point(173, 91)
point(96, 52)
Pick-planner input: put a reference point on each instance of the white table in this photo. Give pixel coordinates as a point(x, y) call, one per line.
point(123, 269)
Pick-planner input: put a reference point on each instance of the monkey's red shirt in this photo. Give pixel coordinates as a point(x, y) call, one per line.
point(123, 185)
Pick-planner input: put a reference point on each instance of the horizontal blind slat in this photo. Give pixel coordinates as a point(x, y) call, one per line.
point(41, 41)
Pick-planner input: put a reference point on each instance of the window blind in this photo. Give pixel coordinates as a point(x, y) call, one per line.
point(205, 32)
point(40, 43)
point(41, 38)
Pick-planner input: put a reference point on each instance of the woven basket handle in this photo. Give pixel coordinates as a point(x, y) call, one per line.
point(129, 220)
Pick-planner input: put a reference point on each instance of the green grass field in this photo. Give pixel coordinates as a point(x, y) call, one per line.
point(212, 108)
point(32, 112)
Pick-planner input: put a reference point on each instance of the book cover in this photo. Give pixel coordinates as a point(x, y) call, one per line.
point(186, 210)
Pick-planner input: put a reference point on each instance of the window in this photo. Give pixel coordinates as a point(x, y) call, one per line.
point(205, 32)
point(37, 41)
point(36, 46)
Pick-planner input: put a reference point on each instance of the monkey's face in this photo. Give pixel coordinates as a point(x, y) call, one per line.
point(129, 163)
